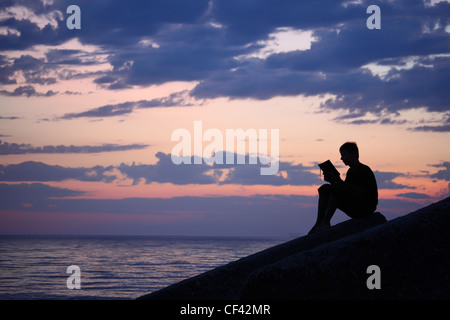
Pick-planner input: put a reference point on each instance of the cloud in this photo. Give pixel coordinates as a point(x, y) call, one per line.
point(385, 180)
point(42, 20)
point(58, 64)
point(103, 111)
point(288, 174)
point(443, 174)
point(10, 118)
point(27, 91)
point(53, 199)
point(354, 87)
point(14, 148)
point(177, 99)
point(414, 195)
point(31, 22)
point(34, 70)
point(229, 48)
point(228, 215)
point(27, 191)
point(443, 128)
point(44, 197)
point(38, 171)
point(165, 171)
point(335, 63)
point(34, 196)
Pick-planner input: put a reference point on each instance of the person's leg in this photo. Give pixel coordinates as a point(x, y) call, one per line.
point(328, 213)
point(326, 207)
point(353, 205)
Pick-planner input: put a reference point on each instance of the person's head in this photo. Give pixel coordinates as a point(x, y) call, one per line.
point(349, 153)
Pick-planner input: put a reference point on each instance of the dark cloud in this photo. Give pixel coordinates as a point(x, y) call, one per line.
point(332, 65)
point(63, 57)
point(108, 23)
point(443, 174)
point(38, 171)
point(34, 70)
point(27, 91)
point(10, 118)
point(109, 110)
point(176, 99)
point(32, 196)
point(6, 72)
point(443, 128)
point(151, 42)
point(17, 194)
point(14, 148)
point(49, 70)
point(227, 215)
point(42, 197)
point(413, 195)
point(288, 174)
point(385, 180)
point(356, 89)
point(165, 171)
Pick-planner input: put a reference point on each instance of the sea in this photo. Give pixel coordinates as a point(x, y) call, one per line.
point(111, 267)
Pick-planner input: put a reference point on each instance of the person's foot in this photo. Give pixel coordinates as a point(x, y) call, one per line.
point(318, 227)
point(313, 229)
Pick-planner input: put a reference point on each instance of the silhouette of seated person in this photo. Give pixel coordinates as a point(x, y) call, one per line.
point(357, 196)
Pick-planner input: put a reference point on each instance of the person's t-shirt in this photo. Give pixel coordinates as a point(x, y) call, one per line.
point(362, 176)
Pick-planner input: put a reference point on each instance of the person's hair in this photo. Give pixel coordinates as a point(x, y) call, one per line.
point(350, 147)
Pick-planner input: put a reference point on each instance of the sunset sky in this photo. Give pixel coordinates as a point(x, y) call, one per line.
point(86, 115)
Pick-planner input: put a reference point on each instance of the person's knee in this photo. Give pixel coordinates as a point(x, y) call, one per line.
point(325, 189)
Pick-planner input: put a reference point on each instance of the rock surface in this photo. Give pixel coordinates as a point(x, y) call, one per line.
point(412, 253)
point(227, 282)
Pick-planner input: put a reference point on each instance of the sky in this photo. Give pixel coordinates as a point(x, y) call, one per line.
point(87, 114)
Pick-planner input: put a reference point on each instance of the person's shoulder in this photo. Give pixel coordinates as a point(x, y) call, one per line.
point(367, 171)
point(365, 167)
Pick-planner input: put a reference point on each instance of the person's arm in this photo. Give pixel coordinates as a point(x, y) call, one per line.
point(339, 183)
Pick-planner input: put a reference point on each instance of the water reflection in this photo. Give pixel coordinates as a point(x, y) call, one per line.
point(111, 267)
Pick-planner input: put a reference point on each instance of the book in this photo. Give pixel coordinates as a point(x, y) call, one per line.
point(328, 169)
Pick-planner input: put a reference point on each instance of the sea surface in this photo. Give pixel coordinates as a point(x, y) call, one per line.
point(111, 267)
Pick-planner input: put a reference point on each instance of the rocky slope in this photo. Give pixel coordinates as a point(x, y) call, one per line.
point(411, 254)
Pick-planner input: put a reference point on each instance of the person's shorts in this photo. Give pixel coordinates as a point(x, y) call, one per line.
point(351, 204)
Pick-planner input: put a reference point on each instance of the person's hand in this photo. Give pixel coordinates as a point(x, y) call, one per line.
point(333, 179)
point(327, 177)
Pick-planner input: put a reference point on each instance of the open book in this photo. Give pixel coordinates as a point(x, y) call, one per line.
point(328, 169)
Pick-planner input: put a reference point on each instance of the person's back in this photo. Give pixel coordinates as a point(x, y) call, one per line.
point(362, 176)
